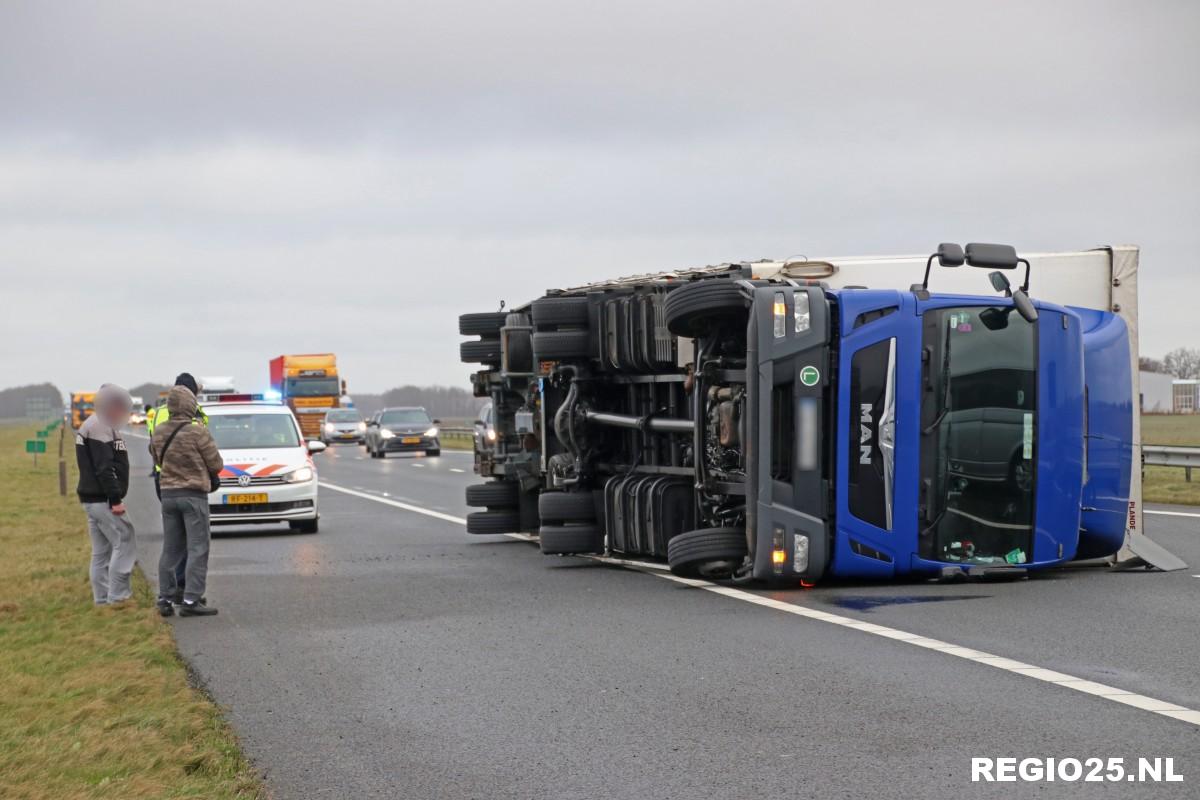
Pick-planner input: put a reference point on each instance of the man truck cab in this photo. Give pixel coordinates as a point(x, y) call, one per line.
point(748, 421)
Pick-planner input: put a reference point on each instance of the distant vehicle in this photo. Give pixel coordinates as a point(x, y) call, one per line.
point(308, 384)
point(484, 434)
point(269, 473)
point(82, 406)
point(343, 425)
point(395, 430)
point(138, 416)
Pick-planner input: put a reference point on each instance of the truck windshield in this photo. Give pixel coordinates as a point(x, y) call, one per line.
point(237, 431)
point(311, 387)
point(977, 444)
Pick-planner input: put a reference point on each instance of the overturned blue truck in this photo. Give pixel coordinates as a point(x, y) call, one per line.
point(790, 421)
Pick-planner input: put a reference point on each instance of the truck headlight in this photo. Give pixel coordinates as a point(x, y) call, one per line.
point(384, 433)
point(800, 312)
point(432, 432)
point(779, 314)
point(300, 475)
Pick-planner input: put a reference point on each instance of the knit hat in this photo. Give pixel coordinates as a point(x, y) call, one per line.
point(185, 379)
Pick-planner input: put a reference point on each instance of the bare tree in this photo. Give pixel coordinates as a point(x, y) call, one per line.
point(1148, 364)
point(1183, 362)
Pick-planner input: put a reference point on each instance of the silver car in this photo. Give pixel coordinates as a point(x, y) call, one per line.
point(343, 425)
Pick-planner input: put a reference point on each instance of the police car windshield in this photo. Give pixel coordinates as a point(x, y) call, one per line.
point(253, 431)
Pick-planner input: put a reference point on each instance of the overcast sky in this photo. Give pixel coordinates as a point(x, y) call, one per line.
point(203, 186)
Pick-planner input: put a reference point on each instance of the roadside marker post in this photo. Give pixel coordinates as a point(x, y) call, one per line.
point(62, 464)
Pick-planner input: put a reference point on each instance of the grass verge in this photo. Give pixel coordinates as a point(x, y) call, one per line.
point(1168, 484)
point(94, 702)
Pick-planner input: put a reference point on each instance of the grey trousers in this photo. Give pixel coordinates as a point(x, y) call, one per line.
point(113, 553)
point(185, 533)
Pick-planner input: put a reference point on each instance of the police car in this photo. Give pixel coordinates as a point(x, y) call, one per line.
point(269, 475)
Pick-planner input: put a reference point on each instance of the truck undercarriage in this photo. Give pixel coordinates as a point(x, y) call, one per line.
point(622, 424)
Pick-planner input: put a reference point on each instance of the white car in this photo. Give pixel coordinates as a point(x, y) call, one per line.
point(269, 473)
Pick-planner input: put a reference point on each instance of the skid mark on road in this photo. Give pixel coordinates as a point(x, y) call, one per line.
point(1060, 679)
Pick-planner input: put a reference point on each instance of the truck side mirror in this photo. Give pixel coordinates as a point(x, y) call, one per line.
point(997, 256)
point(949, 254)
point(1000, 283)
point(1024, 306)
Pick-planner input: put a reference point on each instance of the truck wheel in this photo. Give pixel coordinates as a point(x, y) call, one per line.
point(555, 507)
point(555, 345)
point(691, 308)
point(493, 494)
point(518, 345)
point(552, 312)
point(485, 324)
point(500, 521)
point(711, 553)
point(484, 351)
point(565, 540)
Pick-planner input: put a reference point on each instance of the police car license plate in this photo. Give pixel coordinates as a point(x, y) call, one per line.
point(244, 499)
point(411, 440)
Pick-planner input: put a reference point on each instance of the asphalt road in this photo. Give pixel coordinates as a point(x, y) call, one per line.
point(391, 655)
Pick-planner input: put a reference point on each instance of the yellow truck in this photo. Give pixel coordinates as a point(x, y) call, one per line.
point(308, 384)
point(82, 406)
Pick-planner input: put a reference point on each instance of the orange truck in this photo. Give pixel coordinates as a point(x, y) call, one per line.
point(82, 406)
point(309, 385)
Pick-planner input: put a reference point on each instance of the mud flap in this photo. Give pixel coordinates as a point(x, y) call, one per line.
point(1140, 552)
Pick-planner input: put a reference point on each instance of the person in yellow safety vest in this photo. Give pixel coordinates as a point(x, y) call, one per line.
point(158, 416)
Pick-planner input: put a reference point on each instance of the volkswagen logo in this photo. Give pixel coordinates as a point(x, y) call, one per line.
point(243, 480)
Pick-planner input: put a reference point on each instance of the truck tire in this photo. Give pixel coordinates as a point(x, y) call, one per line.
point(499, 521)
point(553, 312)
point(484, 351)
point(556, 345)
point(518, 344)
point(493, 494)
point(692, 308)
point(565, 540)
point(556, 507)
point(711, 553)
point(487, 324)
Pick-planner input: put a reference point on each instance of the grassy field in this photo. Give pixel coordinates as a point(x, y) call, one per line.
point(1167, 484)
point(95, 702)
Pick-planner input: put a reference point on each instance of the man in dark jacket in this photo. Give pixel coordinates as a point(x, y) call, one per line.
point(103, 482)
point(191, 463)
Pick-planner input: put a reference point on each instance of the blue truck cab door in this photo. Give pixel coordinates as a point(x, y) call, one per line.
point(878, 398)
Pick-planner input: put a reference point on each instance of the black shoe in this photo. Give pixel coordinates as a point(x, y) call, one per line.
point(196, 610)
point(165, 609)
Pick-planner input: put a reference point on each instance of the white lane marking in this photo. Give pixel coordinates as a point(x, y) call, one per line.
point(456, 469)
point(1169, 513)
point(417, 465)
point(1061, 679)
point(395, 503)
